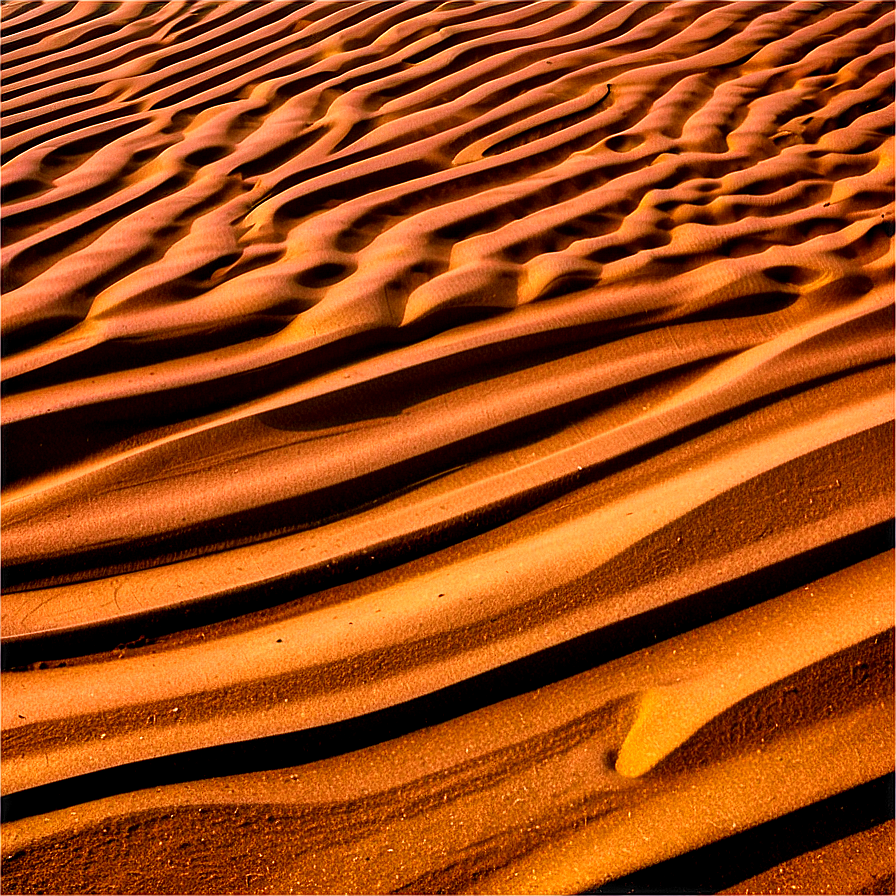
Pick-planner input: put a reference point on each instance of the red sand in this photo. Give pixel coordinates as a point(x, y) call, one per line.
point(447, 447)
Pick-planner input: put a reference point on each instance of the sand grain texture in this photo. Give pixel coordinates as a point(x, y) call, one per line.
point(447, 447)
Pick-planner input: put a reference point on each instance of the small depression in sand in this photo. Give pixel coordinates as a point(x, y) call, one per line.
point(447, 447)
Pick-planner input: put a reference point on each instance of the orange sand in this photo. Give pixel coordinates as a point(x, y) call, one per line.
point(448, 448)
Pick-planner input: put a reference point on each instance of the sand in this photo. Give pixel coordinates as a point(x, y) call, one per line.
point(448, 447)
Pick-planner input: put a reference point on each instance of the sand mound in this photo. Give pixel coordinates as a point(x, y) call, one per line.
point(447, 447)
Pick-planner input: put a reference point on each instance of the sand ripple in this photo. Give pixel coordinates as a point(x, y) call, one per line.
point(445, 443)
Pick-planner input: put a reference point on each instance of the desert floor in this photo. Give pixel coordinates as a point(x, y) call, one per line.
point(448, 447)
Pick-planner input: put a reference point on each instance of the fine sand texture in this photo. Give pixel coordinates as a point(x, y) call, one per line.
point(447, 447)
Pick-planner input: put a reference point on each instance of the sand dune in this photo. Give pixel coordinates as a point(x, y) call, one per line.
point(447, 446)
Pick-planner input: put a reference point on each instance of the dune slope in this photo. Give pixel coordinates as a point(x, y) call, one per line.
point(447, 447)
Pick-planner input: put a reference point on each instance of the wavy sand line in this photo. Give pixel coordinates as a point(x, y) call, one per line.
point(483, 769)
point(436, 403)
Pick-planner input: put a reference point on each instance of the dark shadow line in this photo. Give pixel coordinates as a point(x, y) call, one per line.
point(731, 861)
point(520, 676)
point(163, 620)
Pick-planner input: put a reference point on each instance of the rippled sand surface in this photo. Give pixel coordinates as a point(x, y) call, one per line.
point(448, 447)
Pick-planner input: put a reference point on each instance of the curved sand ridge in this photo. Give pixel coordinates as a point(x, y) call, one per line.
point(448, 447)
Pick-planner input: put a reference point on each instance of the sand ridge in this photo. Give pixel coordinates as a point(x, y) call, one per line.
point(440, 437)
